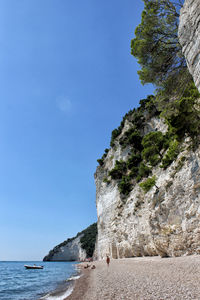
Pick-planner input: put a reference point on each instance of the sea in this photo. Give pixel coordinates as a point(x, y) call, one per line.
point(53, 282)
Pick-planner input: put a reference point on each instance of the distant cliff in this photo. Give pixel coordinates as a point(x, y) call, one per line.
point(148, 183)
point(77, 248)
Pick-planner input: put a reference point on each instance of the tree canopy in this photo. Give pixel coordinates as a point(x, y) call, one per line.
point(157, 48)
point(153, 143)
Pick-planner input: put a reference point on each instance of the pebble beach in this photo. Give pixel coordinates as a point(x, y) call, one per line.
point(145, 278)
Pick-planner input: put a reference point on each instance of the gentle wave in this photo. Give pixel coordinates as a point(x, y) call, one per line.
point(58, 297)
point(74, 278)
point(60, 294)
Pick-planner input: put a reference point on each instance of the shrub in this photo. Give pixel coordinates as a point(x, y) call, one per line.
point(115, 133)
point(148, 184)
point(119, 170)
point(149, 105)
point(133, 138)
point(138, 119)
point(143, 171)
point(153, 143)
point(171, 154)
point(134, 160)
point(133, 172)
point(184, 115)
point(125, 186)
point(100, 161)
point(150, 155)
point(106, 180)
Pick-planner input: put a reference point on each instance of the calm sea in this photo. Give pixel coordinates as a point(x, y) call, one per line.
point(54, 282)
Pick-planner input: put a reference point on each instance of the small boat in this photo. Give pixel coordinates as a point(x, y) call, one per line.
point(33, 267)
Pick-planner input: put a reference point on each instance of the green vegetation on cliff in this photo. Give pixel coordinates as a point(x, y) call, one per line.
point(176, 101)
point(88, 239)
point(148, 184)
point(155, 148)
point(157, 49)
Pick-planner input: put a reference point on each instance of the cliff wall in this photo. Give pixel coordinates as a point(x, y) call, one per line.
point(158, 212)
point(163, 221)
point(77, 248)
point(189, 37)
point(71, 251)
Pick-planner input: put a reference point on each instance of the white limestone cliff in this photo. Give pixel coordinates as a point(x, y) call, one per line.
point(165, 221)
point(77, 248)
point(189, 37)
point(70, 250)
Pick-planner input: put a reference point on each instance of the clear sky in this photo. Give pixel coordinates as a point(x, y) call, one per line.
point(67, 78)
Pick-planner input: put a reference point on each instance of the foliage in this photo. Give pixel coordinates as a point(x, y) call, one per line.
point(148, 184)
point(133, 172)
point(116, 132)
point(131, 137)
point(143, 171)
point(119, 170)
point(153, 143)
point(88, 239)
point(100, 161)
point(136, 117)
point(134, 160)
point(125, 185)
point(145, 152)
point(106, 180)
point(149, 104)
point(183, 116)
point(171, 154)
point(157, 48)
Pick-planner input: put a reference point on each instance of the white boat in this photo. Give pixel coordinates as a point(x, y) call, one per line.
point(33, 267)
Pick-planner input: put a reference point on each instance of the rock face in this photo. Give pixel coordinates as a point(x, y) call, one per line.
point(189, 37)
point(77, 248)
point(165, 221)
point(70, 250)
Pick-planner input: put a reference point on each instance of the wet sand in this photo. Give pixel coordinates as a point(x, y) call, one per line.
point(149, 278)
point(81, 286)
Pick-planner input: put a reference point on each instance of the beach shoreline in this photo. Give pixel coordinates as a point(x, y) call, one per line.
point(141, 278)
point(64, 288)
point(81, 285)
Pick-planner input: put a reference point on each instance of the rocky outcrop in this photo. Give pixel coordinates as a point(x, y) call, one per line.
point(69, 250)
point(189, 37)
point(164, 221)
point(77, 248)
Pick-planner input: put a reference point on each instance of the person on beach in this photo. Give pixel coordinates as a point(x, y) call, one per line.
point(107, 260)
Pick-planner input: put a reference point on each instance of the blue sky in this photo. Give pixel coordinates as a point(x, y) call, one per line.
point(67, 78)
